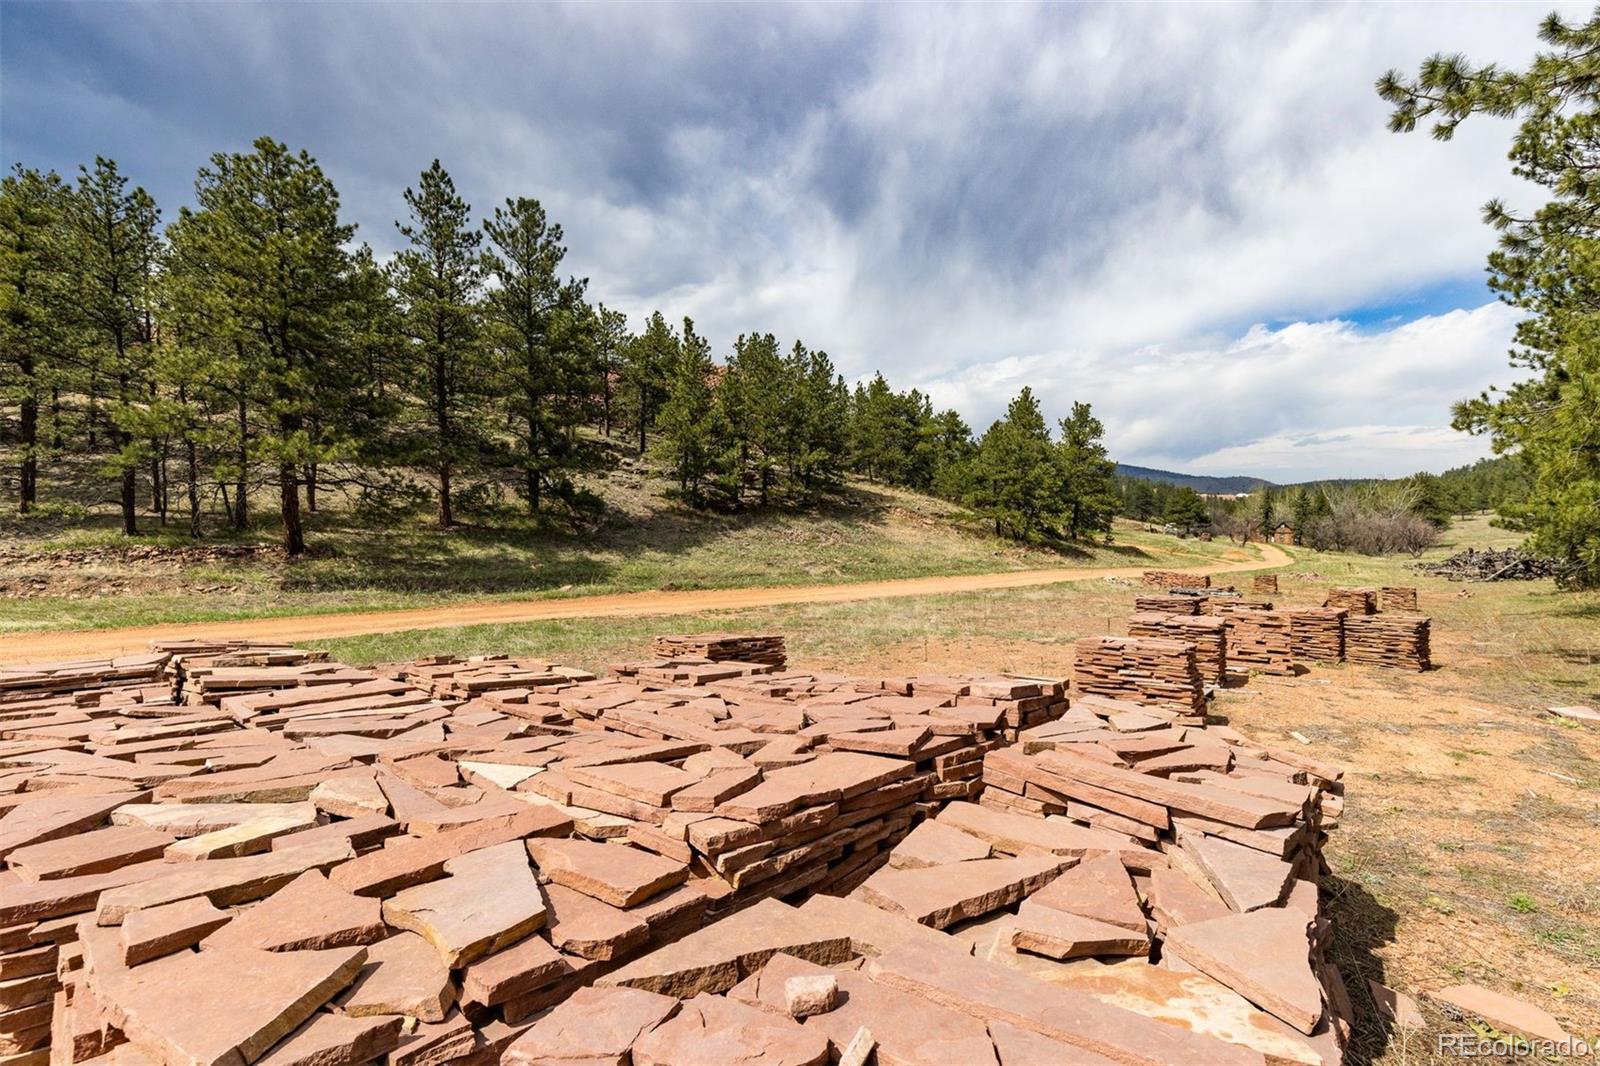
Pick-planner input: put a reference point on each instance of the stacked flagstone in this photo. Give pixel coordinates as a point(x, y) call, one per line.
point(1208, 635)
point(767, 649)
point(1397, 598)
point(1225, 605)
point(1264, 584)
point(1173, 579)
point(1316, 634)
point(1355, 600)
point(1397, 640)
point(1152, 671)
point(1167, 604)
point(1259, 641)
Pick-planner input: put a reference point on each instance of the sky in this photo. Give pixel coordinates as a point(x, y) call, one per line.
point(1191, 216)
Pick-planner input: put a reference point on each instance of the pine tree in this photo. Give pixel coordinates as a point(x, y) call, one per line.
point(1185, 508)
point(753, 395)
point(437, 279)
point(111, 237)
point(1016, 475)
point(1089, 478)
point(611, 342)
point(688, 422)
point(33, 331)
point(646, 362)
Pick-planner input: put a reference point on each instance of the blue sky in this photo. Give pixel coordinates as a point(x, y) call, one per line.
point(1190, 216)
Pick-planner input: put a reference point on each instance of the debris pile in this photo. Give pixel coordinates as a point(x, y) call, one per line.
point(1491, 564)
point(1153, 672)
point(1396, 640)
point(766, 649)
point(1173, 579)
point(1208, 635)
point(1316, 634)
point(1357, 601)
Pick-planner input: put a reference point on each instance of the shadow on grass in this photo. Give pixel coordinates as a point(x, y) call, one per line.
point(1361, 925)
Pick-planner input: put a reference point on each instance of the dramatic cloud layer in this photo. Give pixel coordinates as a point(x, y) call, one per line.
point(1191, 216)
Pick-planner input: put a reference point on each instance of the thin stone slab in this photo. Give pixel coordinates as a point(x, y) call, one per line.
point(308, 912)
point(529, 964)
point(351, 795)
point(93, 852)
point(489, 900)
point(940, 896)
point(414, 861)
point(994, 993)
point(936, 844)
point(593, 1027)
point(226, 882)
point(1263, 955)
point(1505, 1013)
point(1020, 1047)
point(249, 838)
point(719, 956)
point(582, 925)
point(873, 930)
point(157, 931)
point(907, 1029)
point(1062, 935)
point(336, 1040)
point(620, 876)
point(647, 782)
point(1245, 878)
point(828, 778)
point(402, 975)
point(192, 819)
point(1099, 888)
point(1019, 833)
point(52, 817)
point(715, 1030)
point(158, 1003)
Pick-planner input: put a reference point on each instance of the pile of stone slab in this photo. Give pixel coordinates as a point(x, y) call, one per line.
point(1397, 598)
point(409, 863)
point(1167, 604)
point(1355, 600)
point(1233, 605)
point(767, 649)
point(1264, 584)
point(1316, 634)
point(1394, 640)
point(1173, 579)
point(80, 675)
point(1260, 641)
point(1151, 671)
point(1208, 635)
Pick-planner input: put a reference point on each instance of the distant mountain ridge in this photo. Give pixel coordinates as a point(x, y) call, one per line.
point(1198, 482)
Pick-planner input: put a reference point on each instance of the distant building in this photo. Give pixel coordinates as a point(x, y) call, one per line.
point(1283, 533)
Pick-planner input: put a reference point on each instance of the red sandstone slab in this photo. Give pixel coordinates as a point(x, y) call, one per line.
point(1246, 879)
point(874, 931)
point(1263, 955)
point(1224, 805)
point(1506, 1013)
point(414, 861)
point(1020, 1047)
point(226, 882)
point(402, 975)
point(715, 787)
point(489, 901)
point(157, 931)
point(594, 1027)
point(529, 964)
point(936, 844)
point(581, 925)
point(712, 1029)
point(308, 912)
point(1020, 833)
point(50, 817)
point(647, 782)
point(1099, 888)
point(1062, 935)
point(616, 874)
point(940, 896)
point(1175, 900)
point(93, 852)
point(336, 1040)
point(828, 778)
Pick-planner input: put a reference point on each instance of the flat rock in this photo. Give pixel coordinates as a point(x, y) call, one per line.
point(96, 851)
point(489, 900)
point(582, 925)
point(1396, 1007)
point(1245, 878)
point(351, 795)
point(226, 882)
point(1019, 833)
point(401, 975)
point(616, 874)
point(936, 844)
point(1506, 1013)
point(905, 1028)
point(828, 778)
point(1263, 955)
point(1099, 888)
point(940, 896)
point(654, 783)
point(157, 931)
point(529, 964)
point(308, 912)
point(158, 1002)
point(336, 1040)
point(247, 838)
point(715, 1031)
point(994, 993)
point(873, 930)
point(1021, 1047)
point(1176, 900)
point(593, 1027)
point(192, 819)
point(1063, 935)
point(51, 817)
point(1577, 714)
point(419, 859)
point(720, 955)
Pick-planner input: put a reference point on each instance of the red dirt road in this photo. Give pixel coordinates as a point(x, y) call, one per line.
point(98, 643)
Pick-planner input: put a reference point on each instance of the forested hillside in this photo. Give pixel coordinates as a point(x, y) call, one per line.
point(253, 355)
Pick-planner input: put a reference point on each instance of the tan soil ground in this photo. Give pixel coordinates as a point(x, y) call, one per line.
point(33, 647)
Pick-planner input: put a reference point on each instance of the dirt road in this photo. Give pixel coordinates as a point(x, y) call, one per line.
point(73, 644)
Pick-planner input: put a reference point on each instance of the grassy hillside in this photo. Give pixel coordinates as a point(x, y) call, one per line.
point(56, 574)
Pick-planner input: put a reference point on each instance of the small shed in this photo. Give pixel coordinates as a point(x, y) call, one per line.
point(1283, 533)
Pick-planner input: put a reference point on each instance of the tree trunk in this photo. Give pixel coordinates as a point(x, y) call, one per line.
point(441, 425)
point(311, 487)
point(193, 462)
point(55, 417)
point(294, 537)
point(446, 515)
point(241, 505)
point(29, 471)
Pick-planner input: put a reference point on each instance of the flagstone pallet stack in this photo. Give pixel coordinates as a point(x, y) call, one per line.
point(1397, 598)
point(1395, 640)
point(1224, 605)
point(767, 649)
point(1173, 579)
point(1264, 584)
point(1167, 604)
point(1316, 634)
point(1357, 601)
point(1260, 641)
point(1154, 672)
point(1208, 635)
